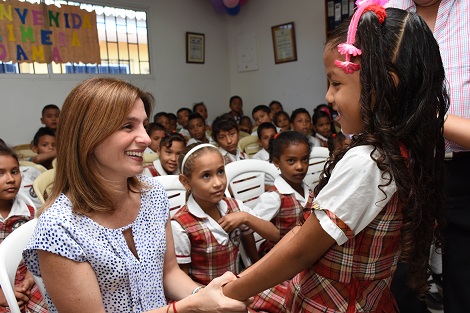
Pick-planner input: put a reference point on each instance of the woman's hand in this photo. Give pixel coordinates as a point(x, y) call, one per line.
point(212, 299)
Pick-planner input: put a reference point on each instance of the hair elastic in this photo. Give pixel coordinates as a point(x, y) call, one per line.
point(194, 149)
point(348, 47)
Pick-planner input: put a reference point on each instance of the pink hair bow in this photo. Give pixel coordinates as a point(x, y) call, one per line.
point(348, 47)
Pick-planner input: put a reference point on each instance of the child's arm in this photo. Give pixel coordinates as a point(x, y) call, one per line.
point(249, 244)
point(284, 262)
point(266, 229)
point(43, 157)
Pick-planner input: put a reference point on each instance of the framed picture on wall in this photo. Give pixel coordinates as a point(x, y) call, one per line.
point(195, 48)
point(285, 49)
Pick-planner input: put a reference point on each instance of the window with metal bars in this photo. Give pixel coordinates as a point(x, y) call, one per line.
point(123, 40)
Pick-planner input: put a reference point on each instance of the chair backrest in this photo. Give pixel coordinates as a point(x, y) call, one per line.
point(175, 191)
point(25, 154)
point(43, 184)
point(39, 167)
point(10, 257)
point(316, 163)
point(246, 179)
point(149, 158)
point(249, 145)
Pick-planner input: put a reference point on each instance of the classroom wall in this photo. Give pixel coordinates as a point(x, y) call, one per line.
point(295, 84)
point(175, 83)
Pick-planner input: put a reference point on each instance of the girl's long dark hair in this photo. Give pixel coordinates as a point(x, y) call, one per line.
point(403, 102)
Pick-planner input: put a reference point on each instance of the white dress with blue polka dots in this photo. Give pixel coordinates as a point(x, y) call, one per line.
point(127, 284)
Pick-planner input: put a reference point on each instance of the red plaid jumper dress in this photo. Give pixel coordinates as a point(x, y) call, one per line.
point(209, 259)
point(288, 217)
point(272, 300)
point(356, 276)
point(36, 302)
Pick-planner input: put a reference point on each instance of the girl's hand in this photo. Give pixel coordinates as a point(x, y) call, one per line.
point(22, 296)
point(212, 298)
point(233, 220)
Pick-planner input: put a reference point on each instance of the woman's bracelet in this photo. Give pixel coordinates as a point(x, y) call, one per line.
point(196, 290)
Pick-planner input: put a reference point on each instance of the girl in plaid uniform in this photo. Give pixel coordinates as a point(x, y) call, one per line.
point(284, 203)
point(379, 198)
point(168, 151)
point(15, 210)
point(209, 228)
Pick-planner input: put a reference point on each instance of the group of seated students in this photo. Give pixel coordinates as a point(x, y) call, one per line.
point(176, 139)
point(209, 229)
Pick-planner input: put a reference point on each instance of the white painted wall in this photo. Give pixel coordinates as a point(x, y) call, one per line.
point(295, 84)
point(175, 83)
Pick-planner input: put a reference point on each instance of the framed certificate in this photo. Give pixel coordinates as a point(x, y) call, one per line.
point(195, 48)
point(284, 43)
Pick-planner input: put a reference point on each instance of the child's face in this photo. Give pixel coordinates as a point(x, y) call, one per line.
point(50, 118)
point(261, 117)
point(236, 106)
point(46, 144)
point(245, 125)
point(275, 107)
point(197, 129)
point(173, 125)
point(202, 110)
point(207, 180)
point(266, 135)
point(302, 124)
point(343, 93)
point(165, 121)
point(283, 122)
point(155, 137)
point(228, 140)
point(323, 126)
point(169, 156)
point(183, 118)
point(293, 163)
point(10, 178)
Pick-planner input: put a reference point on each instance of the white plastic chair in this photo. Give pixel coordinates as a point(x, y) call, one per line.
point(316, 163)
point(43, 184)
point(246, 182)
point(249, 145)
point(246, 179)
point(10, 257)
point(39, 167)
point(175, 191)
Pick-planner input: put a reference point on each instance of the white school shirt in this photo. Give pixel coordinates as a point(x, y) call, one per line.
point(19, 207)
point(28, 176)
point(353, 193)
point(149, 150)
point(237, 157)
point(315, 142)
point(261, 155)
point(158, 166)
point(181, 239)
point(270, 202)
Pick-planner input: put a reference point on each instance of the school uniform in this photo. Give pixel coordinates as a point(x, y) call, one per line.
point(21, 212)
point(283, 206)
point(315, 142)
point(194, 140)
point(323, 140)
point(261, 155)
point(202, 242)
point(156, 169)
point(229, 158)
point(28, 176)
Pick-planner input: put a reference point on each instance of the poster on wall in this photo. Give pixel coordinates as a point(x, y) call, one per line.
point(31, 32)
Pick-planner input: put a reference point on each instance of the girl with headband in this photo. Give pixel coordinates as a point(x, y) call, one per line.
point(378, 198)
point(209, 228)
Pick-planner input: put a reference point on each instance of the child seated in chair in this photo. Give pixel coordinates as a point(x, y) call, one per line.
point(301, 122)
point(197, 130)
point(44, 145)
point(168, 151)
point(265, 131)
point(15, 210)
point(208, 230)
point(50, 116)
point(225, 134)
point(156, 132)
point(182, 116)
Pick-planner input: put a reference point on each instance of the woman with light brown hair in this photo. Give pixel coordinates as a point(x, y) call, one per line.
point(103, 242)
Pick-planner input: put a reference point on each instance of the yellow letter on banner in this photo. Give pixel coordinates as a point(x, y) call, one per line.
point(38, 53)
point(4, 13)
